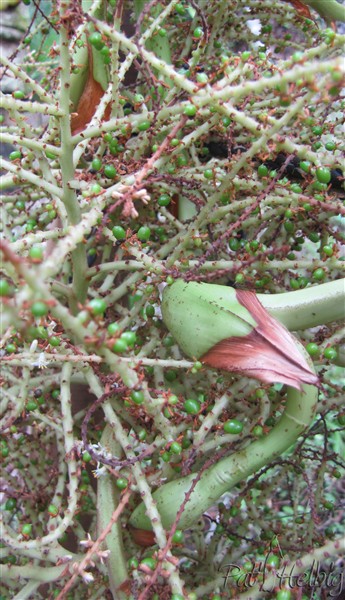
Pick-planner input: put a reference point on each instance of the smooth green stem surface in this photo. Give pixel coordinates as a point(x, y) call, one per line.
point(309, 307)
point(330, 10)
point(229, 471)
point(69, 198)
point(107, 502)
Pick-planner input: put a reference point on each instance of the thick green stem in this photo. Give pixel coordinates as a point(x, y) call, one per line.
point(225, 474)
point(330, 10)
point(309, 307)
point(107, 502)
point(70, 200)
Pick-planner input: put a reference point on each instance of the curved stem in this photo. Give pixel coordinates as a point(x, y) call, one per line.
point(297, 310)
point(330, 10)
point(309, 307)
point(229, 471)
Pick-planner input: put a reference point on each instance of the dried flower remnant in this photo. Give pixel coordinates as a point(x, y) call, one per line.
point(230, 329)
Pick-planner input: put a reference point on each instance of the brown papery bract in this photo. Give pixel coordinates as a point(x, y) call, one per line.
point(89, 100)
point(269, 353)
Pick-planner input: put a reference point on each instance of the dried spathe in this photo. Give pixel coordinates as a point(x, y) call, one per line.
point(230, 329)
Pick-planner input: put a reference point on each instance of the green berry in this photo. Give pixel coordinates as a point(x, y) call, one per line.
point(164, 200)
point(144, 125)
point(119, 233)
point(233, 426)
point(175, 448)
point(15, 155)
point(133, 563)
point(96, 164)
point(178, 536)
point(258, 431)
point(20, 205)
point(319, 274)
point(53, 510)
point(295, 188)
point(86, 456)
point(165, 456)
point(130, 338)
point(144, 233)
point(182, 160)
point(273, 561)
point(189, 110)
point(149, 562)
point(138, 396)
point(319, 187)
point(198, 32)
point(110, 171)
point(323, 175)
point(121, 483)
point(289, 226)
point(96, 41)
point(120, 346)
point(239, 278)
point(139, 99)
point(11, 348)
point(5, 288)
point(95, 189)
point(312, 349)
point(18, 95)
point(330, 146)
point(97, 306)
point(191, 407)
point(305, 165)
point(150, 311)
point(31, 405)
point(113, 328)
point(39, 309)
point(27, 529)
point(317, 146)
point(180, 9)
point(202, 78)
point(11, 504)
point(328, 250)
point(234, 244)
point(314, 237)
point(208, 174)
point(262, 171)
point(330, 353)
point(36, 253)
